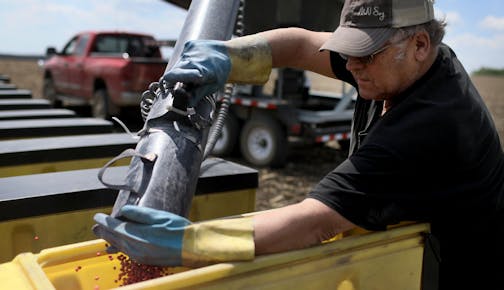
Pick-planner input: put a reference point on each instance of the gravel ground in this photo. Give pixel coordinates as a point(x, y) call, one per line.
point(306, 165)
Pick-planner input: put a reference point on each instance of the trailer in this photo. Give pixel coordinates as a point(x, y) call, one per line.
point(260, 125)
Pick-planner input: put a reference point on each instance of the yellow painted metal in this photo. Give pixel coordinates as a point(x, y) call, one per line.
point(34, 234)
point(375, 260)
point(46, 167)
point(24, 273)
point(40, 232)
point(228, 203)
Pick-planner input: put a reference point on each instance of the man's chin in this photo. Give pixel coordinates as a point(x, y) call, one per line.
point(367, 95)
point(370, 95)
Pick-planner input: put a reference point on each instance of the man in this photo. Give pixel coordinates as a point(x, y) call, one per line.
point(424, 148)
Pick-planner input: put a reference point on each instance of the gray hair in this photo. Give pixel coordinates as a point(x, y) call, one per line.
point(435, 29)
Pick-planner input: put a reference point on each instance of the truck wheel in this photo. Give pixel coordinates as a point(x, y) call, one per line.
point(100, 104)
point(263, 142)
point(49, 92)
point(229, 136)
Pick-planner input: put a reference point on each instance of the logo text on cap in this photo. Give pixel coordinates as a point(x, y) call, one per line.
point(371, 11)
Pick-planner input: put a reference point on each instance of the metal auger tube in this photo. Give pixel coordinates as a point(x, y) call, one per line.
point(165, 167)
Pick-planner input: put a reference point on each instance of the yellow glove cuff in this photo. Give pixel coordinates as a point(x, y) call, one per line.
point(251, 60)
point(218, 241)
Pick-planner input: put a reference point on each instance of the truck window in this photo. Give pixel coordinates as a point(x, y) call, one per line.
point(151, 47)
point(135, 46)
point(81, 45)
point(70, 47)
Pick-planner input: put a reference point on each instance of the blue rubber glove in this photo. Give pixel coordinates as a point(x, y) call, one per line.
point(149, 236)
point(160, 238)
point(205, 64)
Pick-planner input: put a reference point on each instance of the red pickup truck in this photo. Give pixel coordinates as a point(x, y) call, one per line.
point(106, 70)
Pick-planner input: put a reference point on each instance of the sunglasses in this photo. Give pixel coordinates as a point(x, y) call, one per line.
point(368, 59)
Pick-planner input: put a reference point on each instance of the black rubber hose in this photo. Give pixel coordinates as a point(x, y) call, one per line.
point(228, 91)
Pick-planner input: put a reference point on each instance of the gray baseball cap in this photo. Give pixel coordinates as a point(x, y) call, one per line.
point(366, 25)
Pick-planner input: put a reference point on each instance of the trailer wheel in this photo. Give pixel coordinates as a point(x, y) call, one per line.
point(263, 142)
point(226, 143)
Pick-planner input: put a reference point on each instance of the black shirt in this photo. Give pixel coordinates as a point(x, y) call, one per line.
point(434, 157)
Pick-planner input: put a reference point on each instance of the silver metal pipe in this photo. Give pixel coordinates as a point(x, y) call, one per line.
point(168, 181)
point(206, 19)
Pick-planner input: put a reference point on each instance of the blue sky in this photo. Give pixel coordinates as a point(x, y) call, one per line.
point(475, 31)
point(475, 28)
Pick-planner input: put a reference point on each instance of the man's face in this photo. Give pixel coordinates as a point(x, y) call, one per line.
point(390, 72)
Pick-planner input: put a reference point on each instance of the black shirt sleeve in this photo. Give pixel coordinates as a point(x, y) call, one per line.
point(365, 189)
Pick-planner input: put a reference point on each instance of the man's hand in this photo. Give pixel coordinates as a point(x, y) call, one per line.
point(208, 64)
point(160, 238)
point(146, 235)
point(204, 64)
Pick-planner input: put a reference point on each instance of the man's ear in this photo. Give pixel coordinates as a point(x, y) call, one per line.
point(422, 45)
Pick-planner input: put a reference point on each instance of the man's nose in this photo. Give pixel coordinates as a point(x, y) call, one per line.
point(353, 64)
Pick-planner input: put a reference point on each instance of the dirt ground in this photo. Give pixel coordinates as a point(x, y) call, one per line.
point(306, 165)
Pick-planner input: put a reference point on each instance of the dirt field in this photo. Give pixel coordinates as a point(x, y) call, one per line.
point(492, 91)
point(25, 74)
point(279, 187)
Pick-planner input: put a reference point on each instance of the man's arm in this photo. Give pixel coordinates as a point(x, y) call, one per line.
point(209, 64)
point(299, 48)
point(297, 226)
point(157, 237)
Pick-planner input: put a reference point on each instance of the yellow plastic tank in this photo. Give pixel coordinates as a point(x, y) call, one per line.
point(367, 260)
point(53, 209)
